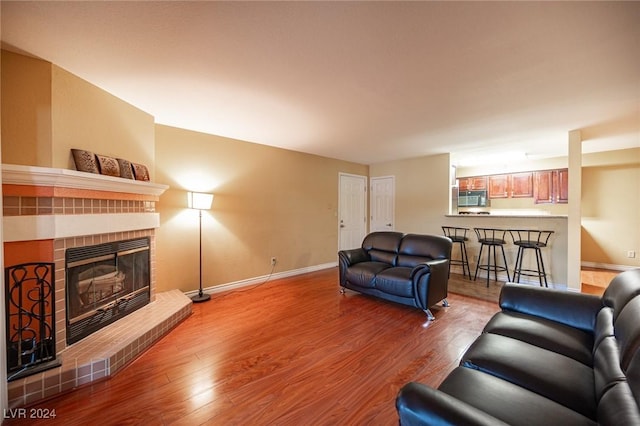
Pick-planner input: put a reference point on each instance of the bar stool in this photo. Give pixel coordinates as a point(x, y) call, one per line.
point(533, 240)
point(491, 238)
point(458, 236)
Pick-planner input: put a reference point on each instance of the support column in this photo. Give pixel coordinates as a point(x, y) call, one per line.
point(574, 222)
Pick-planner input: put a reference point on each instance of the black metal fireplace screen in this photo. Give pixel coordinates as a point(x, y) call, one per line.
point(30, 313)
point(104, 283)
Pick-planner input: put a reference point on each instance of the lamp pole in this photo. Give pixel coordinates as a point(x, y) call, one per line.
point(202, 296)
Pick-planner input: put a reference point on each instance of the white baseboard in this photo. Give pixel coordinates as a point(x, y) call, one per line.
point(607, 266)
point(262, 279)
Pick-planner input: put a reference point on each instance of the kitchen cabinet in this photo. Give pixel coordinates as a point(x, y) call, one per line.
point(473, 183)
point(514, 185)
point(551, 186)
point(563, 186)
point(522, 185)
point(499, 186)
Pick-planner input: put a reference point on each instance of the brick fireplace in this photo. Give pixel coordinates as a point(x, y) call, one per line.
point(46, 212)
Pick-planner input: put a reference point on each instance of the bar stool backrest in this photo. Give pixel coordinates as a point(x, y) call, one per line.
point(530, 237)
point(491, 235)
point(455, 233)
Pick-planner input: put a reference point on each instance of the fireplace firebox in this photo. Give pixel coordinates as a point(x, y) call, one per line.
point(104, 283)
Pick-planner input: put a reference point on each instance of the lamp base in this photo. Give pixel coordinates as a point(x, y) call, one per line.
point(202, 297)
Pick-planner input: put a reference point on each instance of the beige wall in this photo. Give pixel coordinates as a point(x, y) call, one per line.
point(611, 208)
point(48, 111)
point(268, 202)
point(422, 192)
point(87, 117)
point(26, 110)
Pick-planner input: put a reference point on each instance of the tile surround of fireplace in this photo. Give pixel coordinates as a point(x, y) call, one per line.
point(55, 210)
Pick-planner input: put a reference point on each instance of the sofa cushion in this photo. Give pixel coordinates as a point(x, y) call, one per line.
point(627, 331)
point(606, 366)
point(550, 335)
point(395, 281)
point(618, 407)
point(576, 310)
point(546, 373)
point(387, 257)
point(383, 240)
point(442, 409)
point(508, 402)
point(633, 376)
point(411, 261)
point(415, 249)
point(362, 274)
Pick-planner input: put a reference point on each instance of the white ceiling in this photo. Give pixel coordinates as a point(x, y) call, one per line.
point(361, 81)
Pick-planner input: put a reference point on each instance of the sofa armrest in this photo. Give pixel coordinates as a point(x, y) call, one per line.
point(347, 258)
point(430, 282)
point(433, 266)
point(576, 310)
point(353, 256)
point(418, 404)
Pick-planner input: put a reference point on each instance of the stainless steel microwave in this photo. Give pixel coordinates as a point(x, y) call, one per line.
point(472, 198)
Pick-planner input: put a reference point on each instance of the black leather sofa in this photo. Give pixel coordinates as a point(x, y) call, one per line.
point(549, 357)
point(410, 269)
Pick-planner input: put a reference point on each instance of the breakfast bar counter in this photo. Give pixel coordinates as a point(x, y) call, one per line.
point(555, 255)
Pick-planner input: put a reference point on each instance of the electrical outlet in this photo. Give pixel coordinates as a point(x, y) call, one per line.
point(631, 254)
point(274, 261)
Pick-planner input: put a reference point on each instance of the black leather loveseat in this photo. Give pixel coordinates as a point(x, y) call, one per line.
point(548, 358)
point(410, 269)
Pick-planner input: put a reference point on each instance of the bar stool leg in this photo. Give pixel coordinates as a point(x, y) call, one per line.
point(515, 267)
point(475, 276)
point(465, 260)
point(518, 265)
point(541, 268)
point(506, 267)
point(495, 266)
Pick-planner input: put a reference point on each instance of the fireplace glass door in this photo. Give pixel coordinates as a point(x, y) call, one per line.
point(104, 283)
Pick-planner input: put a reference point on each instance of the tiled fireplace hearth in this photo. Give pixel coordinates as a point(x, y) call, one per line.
point(48, 211)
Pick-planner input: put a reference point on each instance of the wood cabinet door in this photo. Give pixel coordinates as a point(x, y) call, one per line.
point(522, 185)
point(472, 183)
point(562, 187)
point(499, 186)
point(463, 184)
point(478, 182)
point(543, 187)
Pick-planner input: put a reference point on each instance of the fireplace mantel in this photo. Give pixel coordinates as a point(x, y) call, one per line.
point(13, 174)
point(62, 183)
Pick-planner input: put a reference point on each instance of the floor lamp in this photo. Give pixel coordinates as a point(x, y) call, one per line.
point(200, 201)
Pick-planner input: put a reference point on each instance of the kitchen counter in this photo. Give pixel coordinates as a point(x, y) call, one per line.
point(554, 256)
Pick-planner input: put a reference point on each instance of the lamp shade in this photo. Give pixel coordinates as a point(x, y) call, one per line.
point(199, 200)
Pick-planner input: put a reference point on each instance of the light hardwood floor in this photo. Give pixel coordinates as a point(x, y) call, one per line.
point(289, 352)
point(595, 281)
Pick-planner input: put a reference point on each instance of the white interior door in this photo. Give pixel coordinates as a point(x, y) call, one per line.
point(352, 216)
point(383, 194)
